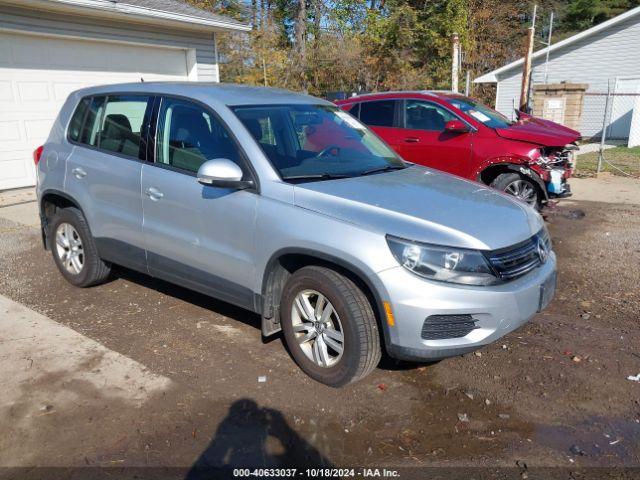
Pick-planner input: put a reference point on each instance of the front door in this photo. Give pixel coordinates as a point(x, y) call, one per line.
point(424, 139)
point(198, 236)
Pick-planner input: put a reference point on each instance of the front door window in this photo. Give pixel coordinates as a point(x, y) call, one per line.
point(426, 116)
point(189, 135)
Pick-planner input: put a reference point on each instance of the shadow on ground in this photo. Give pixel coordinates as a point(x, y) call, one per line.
point(251, 436)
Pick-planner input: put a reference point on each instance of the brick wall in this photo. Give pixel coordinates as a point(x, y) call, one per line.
point(560, 102)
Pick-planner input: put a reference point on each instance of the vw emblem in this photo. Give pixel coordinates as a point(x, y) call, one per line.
point(543, 252)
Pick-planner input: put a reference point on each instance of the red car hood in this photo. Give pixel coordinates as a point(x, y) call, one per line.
point(542, 132)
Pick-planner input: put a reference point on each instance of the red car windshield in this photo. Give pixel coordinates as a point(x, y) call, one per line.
point(479, 112)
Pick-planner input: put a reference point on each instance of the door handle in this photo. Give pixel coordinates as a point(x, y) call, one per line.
point(154, 194)
point(79, 173)
point(412, 140)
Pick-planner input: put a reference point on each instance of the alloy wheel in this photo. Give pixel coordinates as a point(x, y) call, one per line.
point(69, 248)
point(523, 190)
point(317, 328)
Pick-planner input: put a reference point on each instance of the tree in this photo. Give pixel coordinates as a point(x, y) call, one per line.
point(354, 45)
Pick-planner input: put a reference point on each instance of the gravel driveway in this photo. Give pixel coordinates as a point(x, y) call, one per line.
point(554, 393)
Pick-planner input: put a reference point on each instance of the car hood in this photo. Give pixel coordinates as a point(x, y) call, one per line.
point(421, 204)
point(539, 131)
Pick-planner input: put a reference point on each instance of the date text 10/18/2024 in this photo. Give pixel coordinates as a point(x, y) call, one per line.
point(316, 472)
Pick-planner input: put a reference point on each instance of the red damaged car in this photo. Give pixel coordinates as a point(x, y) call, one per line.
point(530, 158)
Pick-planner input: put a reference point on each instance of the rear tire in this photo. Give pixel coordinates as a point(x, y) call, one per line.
point(520, 187)
point(343, 344)
point(74, 249)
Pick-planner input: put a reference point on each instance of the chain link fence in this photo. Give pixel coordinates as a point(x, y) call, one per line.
point(611, 129)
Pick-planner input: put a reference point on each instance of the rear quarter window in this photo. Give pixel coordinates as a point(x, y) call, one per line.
point(75, 125)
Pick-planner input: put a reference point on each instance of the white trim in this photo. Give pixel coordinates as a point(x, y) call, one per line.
point(626, 77)
point(192, 65)
point(216, 74)
point(491, 77)
point(91, 39)
point(142, 13)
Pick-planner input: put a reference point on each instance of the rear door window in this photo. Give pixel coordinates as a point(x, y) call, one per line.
point(379, 113)
point(116, 124)
point(354, 110)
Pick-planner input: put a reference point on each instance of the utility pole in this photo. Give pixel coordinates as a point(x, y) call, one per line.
point(526, 72)
point(455, 61)
point(301, 43)
point(603, 136)
point(264, 72)
point(467, 87)
point(546, 62)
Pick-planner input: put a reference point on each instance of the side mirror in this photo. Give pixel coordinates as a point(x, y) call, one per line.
point(221, 172)
point(456, 126)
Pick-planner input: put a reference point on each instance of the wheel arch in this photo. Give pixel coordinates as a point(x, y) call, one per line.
point(286, 261)
point(491, 172)
point(52, 200)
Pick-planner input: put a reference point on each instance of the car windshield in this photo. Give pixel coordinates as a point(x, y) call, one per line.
point(316, 142)
point(482, 113)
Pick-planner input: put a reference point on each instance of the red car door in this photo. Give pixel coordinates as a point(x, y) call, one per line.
point(424, 141)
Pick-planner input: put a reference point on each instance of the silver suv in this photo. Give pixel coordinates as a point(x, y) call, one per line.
point(289, 207)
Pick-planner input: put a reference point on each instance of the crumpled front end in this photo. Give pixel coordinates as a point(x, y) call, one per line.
point(555, 166)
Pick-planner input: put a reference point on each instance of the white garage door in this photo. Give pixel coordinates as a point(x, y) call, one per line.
point(36, 75)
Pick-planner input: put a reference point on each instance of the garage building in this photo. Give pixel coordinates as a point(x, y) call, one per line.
point(49, 48)
point(603, 58)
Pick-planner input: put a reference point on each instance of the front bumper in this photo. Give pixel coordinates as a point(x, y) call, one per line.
point(566, 191)
point(497, 310)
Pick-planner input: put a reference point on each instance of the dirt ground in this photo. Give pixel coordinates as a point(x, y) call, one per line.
point(553, 394)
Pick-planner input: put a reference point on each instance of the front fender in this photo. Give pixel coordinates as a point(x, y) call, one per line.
point(517, 165)
point(530, 173)
point(502, 160)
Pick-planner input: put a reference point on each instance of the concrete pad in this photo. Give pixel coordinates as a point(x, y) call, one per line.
point(594, 147)
point(20, 195)
point(49, 369)
point(22, 213)
point(609, 189)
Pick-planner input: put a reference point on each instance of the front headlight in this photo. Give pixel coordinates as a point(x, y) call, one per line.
point(445, 264)
point(546, 237)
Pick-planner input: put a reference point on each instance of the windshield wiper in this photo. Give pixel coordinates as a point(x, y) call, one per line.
point(317, 176)
point(386, 168)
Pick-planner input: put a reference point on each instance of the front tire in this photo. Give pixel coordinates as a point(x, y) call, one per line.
point(74, 250)
point(329, 326)
point(520, 187)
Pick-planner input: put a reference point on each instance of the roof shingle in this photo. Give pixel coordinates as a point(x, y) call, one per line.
point(180, 7)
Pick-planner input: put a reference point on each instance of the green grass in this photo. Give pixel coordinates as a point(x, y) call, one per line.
point(626, 159)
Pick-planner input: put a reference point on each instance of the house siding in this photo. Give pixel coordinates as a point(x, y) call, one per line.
point(594, 60)
point(53, 23)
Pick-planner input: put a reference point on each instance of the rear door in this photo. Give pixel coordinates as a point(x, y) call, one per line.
point(103, 173)
point(425, 141)
point(198, 236)
point(383, 117)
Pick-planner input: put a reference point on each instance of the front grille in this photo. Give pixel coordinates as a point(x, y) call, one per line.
point(519, 259)
point(438, 327)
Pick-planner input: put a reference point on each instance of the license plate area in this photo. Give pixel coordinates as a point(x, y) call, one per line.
point(547, 291)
